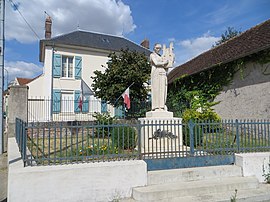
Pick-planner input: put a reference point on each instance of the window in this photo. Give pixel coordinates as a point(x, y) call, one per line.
point(67, 67)
point(67, 102)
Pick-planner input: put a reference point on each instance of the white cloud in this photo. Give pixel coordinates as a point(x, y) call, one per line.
point(187, 49)
point(108, 16)
point(21, 69)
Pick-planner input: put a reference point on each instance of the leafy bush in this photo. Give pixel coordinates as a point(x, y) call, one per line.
point(197, 136)
point(195, 115)
point(124, 137)
point(103, 119)
point(192, 114)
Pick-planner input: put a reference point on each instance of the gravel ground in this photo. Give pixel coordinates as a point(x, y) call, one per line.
point(3, 177)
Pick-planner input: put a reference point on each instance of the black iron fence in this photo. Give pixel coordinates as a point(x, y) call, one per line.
point(53, 143)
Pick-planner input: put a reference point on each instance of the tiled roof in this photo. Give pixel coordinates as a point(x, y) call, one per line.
point(251, 41)
point(24, 81)
point(96, 41)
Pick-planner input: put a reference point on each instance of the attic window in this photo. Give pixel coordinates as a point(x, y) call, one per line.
point(105, 40)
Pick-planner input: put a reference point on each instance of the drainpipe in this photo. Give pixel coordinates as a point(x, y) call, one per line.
point(52, 83)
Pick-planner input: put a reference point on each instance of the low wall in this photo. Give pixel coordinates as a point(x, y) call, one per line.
point(252, 164)
point(105, 181)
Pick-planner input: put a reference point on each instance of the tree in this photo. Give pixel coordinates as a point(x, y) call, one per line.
point(123, 69)
point(228, 34)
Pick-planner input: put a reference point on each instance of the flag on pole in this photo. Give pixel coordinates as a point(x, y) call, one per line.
point(80, 102)
point(126, 97)
point(85, 91)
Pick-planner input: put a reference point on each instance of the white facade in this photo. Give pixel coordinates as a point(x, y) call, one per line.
point(91, 60)
point(41, 89)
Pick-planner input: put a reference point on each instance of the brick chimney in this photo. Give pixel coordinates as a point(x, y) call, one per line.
point(145, 43)
point(48, 27)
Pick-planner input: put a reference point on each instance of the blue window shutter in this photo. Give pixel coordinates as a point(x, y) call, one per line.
point(119, 112)
point(85, 107)
point(56, 65)
point(78, 67)
point(77, 94)
point(56, 100)
point(103, 106)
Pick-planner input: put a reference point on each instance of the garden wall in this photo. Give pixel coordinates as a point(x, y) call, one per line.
point(104, 181)
point(248, 95)
point(252, 164)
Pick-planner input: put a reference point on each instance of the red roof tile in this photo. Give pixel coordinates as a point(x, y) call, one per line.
point(251, 41)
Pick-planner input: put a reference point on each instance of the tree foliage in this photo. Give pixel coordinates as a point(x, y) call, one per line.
point(123, 69)
point(228, 34)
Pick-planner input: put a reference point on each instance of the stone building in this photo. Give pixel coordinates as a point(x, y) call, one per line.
point(248, 95)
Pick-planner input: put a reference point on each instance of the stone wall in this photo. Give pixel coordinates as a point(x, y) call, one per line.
point(17, 107)
point(103, 181)
point(253, 163)
point(248, 96)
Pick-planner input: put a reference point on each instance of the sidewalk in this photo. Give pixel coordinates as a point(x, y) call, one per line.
point(3, 177)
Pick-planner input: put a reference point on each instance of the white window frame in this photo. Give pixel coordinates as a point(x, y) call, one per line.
point(67, 67)
point(67, 105)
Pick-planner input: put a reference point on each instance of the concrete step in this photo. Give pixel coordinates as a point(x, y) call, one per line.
point(193, 188)
point(191, 174)
point(261, 194)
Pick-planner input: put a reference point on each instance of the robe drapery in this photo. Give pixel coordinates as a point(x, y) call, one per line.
point(158, 82)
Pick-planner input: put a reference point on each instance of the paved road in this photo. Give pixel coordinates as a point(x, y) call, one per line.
point(3, 177)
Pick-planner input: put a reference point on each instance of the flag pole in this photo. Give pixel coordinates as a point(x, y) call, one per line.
point(122, 93)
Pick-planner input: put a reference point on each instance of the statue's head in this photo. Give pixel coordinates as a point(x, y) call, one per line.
point(157, 47)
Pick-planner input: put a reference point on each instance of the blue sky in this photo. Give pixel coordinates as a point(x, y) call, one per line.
point(192, 25)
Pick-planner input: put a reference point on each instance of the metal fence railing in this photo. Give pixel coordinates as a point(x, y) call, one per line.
point(21, 137)
point(46, 110)
point(53, 143)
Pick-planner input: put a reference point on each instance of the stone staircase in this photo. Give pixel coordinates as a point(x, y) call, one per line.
point(204, 184)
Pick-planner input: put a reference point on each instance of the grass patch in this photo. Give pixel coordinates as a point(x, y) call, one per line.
point(59, 147)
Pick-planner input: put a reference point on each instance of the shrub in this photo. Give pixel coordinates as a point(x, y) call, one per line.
point(197, 136)
point(209, 114)
point(195, 115)
point(103, 119)
point(124, 137)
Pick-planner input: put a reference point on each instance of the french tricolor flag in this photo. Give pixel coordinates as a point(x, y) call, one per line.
point(126, 97)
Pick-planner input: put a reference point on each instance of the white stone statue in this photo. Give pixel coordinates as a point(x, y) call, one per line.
point(160, 65)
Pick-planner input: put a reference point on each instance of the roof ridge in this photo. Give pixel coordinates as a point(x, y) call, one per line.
point(81, 30)
point(252, 40)
point(58, 36)
point(138, 44)
point(242, 33)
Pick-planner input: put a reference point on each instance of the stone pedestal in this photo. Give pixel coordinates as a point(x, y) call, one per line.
point(159, 114)
point(161, 136)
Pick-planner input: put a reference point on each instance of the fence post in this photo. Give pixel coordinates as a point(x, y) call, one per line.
point(23, 144)
point(237, 135)
point(139, 128)
point(191, 126)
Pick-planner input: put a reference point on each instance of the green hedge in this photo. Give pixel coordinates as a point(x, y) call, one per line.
point(124, 137)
